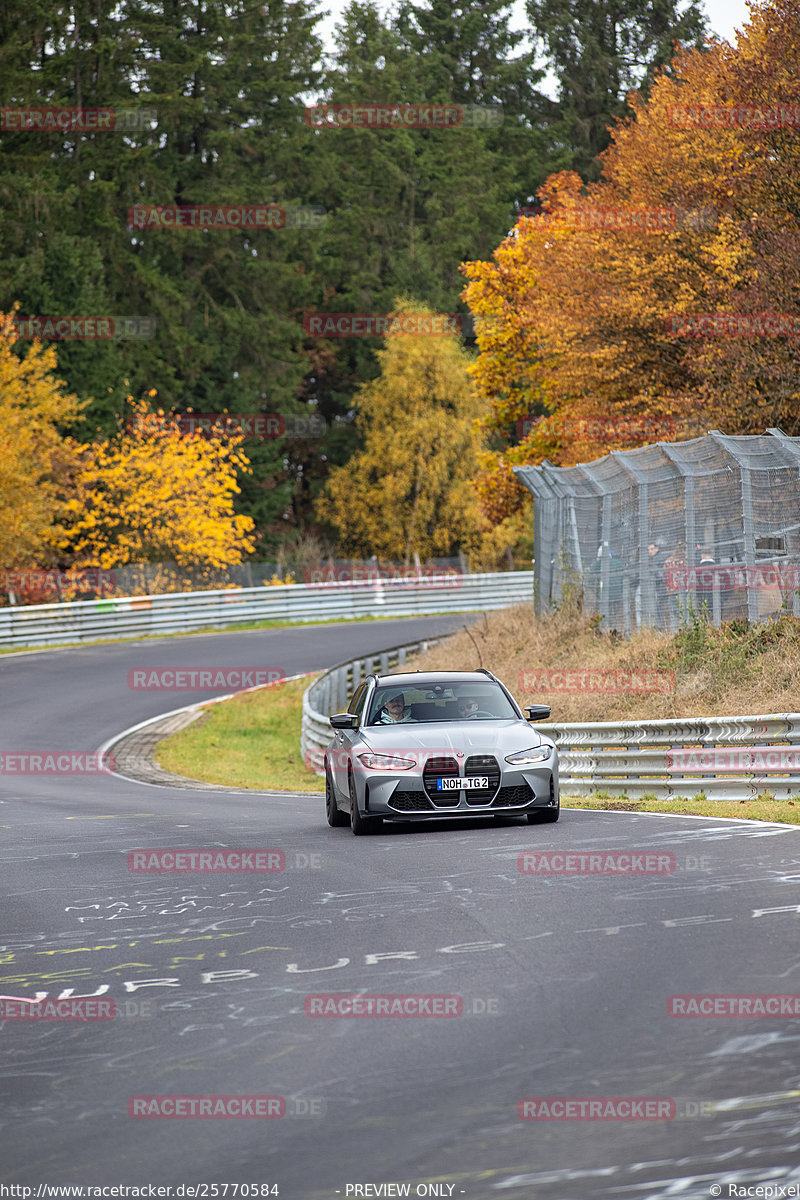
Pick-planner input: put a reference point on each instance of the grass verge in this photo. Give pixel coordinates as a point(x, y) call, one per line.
point(787, 812)
point(250, 741)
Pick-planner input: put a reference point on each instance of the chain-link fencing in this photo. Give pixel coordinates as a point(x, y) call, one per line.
point(664, 534)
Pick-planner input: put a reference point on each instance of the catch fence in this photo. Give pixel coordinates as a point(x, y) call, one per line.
point(662, 534)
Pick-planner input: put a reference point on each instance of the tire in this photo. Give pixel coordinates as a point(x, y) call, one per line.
point(336, 818)
point(359, 825)
point(546, 816)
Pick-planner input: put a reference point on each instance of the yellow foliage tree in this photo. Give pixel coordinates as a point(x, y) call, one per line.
point(32, 451)
point(408, 490)
point(155, 494)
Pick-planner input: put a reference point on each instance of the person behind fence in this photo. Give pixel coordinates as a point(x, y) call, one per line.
point(395, 711)
point(656, 580)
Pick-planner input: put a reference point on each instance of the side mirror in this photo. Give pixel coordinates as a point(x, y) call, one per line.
point(537, 712)
point(345, 720)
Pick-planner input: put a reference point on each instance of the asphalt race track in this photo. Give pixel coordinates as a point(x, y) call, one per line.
point(561, 981)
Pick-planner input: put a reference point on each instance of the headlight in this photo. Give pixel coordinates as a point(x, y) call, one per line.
point(385, 762)
point(525, 758)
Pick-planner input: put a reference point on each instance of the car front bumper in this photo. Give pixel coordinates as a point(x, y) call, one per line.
point(395, 796)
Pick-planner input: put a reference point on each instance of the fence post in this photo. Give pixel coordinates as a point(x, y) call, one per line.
point(728, 444)
point(545, 506)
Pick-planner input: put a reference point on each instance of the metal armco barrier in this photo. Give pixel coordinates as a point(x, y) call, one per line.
point(332, 692)
point(132, 616)
point(724, 758)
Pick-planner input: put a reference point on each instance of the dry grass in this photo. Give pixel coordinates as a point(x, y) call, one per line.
point(735, 670)
point(249, 741)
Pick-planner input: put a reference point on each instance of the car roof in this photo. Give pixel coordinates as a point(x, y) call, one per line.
point(426, 678)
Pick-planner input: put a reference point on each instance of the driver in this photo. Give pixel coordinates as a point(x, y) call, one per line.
point(395, 711)
point(467, 707)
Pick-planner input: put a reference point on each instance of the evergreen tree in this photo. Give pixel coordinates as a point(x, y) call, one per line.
point(599, 51)
point(472, 57)
point(407, 205)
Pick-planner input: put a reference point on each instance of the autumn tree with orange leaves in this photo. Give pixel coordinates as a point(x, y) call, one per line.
point(595, 316)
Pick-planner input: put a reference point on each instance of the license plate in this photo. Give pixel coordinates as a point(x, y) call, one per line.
point(454, 783)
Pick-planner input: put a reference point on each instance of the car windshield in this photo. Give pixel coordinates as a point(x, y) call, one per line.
point(484, 701)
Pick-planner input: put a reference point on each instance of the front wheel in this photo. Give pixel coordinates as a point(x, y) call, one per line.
point(546, 816)
point(336, 818)
point(359, 825)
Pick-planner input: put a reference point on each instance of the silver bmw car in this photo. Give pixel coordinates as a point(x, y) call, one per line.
point(437, 744)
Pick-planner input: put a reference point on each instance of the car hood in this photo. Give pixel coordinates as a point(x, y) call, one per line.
point(471, 737)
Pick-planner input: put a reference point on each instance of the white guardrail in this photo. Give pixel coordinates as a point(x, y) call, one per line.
point(132, 616)
point(724, 758)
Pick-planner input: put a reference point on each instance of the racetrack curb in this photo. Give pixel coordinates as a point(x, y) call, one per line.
point(134, 748)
